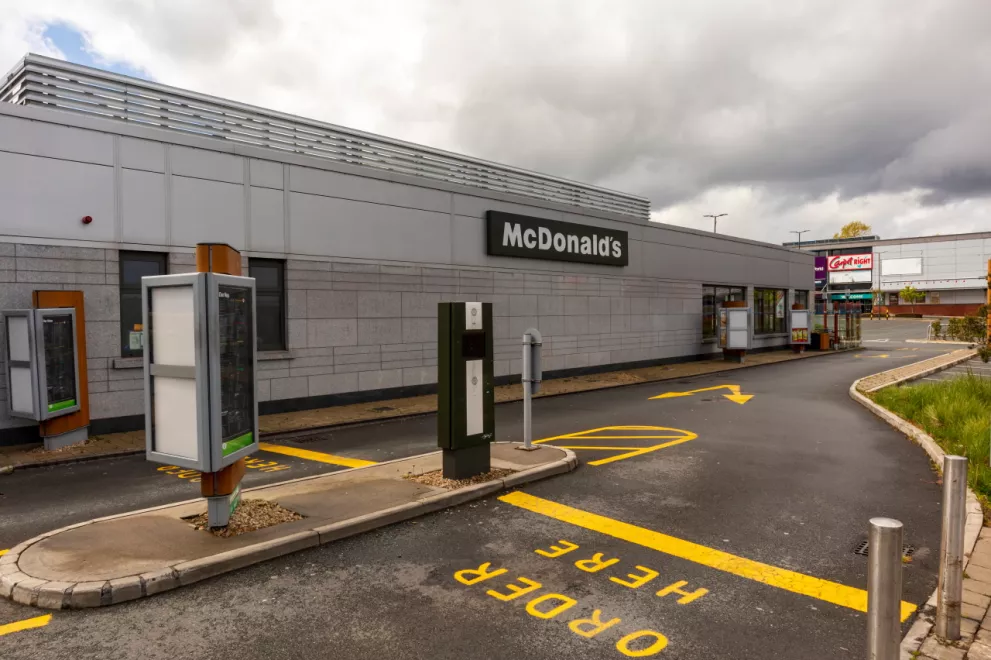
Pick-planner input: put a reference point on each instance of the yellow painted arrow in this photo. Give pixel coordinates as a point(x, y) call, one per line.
point(735, 397)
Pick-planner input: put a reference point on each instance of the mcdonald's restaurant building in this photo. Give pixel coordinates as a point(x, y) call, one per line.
point(353, 239)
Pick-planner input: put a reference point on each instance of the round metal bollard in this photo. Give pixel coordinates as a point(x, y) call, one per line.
point(884, 589)
point(951, 548)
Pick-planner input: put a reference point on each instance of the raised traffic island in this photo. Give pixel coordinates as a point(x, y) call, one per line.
point(124, 557)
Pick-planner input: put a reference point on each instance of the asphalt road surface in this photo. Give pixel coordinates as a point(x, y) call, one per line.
point(895, 330)
point(710, 510)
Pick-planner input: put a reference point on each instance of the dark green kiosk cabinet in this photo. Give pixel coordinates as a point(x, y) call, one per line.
point(466, 397)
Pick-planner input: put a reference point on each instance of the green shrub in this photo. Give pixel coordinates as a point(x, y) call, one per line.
point(984, 352)
point(955, 329)
point(937, 329)
point(956, 413)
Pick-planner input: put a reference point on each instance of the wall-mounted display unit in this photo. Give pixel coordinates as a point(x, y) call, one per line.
point(41, 365)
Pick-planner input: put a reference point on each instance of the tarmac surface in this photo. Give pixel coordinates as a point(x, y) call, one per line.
point(708, 494)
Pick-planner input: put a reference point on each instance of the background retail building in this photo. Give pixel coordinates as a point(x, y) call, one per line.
point(951, 270)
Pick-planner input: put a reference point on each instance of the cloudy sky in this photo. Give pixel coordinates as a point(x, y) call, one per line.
point(785, 115)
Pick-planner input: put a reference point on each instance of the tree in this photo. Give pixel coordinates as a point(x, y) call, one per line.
point(912, 296)
point(853, 230)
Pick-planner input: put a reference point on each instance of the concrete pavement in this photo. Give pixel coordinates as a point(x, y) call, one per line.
point(784, 482)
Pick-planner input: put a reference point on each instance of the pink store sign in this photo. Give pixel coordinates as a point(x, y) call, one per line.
point(851, 262)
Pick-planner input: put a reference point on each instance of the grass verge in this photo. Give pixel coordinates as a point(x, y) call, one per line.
point(957, 414)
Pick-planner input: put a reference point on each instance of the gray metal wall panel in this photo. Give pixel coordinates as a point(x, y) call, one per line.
point(475, 207)
point(48, 197)
point(143, 207)
point(207, 212)
point(344, 228)
point(37, 138)
point(267, 220)
point(266, 173)
point(204, 164)
point(344, 186)
point(142, 154)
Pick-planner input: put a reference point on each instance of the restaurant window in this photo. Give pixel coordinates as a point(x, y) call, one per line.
point(769, 311)
point(893, 298)
point(134, 266)
point(934, 297)
point(713, 298)
point(270, 298)
point(802, 298)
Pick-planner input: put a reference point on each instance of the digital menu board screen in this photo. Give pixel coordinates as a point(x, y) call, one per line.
point(60, 361)
point(237, 381)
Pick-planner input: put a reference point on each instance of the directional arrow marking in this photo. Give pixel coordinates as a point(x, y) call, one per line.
point(735, 397)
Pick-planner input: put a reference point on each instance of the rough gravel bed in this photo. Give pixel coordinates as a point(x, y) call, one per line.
point(250, 515)
point(436, 479)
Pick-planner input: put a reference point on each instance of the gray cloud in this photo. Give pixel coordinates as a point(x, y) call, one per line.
point(805, 111)
point(819, 98)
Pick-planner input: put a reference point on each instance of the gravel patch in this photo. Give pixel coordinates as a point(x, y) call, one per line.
point(250, 515)
point(437, 480)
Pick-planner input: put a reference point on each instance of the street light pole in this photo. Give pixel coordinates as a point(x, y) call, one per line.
point(799, 232)
point(714, 218)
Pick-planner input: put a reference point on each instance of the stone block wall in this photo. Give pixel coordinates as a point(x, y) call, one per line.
point(355, 327)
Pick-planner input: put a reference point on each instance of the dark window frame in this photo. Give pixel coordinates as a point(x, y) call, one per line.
point(280, 344)
point(718, 293)
point(125, 288)
point(766, 321)
point(805, 294)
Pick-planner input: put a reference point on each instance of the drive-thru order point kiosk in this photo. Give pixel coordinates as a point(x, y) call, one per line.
point(201, 408)
point(466, 395)
point(45, 360)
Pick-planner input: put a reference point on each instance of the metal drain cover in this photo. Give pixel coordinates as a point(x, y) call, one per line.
point(863, 549)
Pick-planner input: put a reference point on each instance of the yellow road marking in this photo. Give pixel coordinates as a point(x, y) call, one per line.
point(645, 450)
point(683, 436)
point(806, 585)
point(631, 437)
point(599, 448)
point(2, 553)
point(26, 624)
point(734, 396)
point(320, 457)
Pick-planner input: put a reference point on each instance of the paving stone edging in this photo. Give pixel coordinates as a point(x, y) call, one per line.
point(27, 590)
point(915, 375)
point(923, 624)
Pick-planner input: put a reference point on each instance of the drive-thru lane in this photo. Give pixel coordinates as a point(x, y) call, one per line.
point(786, 480)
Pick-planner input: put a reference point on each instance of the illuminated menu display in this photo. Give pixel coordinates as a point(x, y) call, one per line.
point(60, 361)
point(237, 381)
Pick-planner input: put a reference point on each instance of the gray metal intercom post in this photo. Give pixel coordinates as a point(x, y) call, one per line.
point(201, 408)
point(41, 367)
point(466, 396)
point(532, 343)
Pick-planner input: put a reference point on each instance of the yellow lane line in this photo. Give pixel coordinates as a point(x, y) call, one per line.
point(26, 624)
point(623, 437)
point(599, 448)
point(2, 553)
point(644, 450)
point(806, 585)
point(320, 457)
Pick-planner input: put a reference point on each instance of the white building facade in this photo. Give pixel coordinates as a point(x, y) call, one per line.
point(353, 240)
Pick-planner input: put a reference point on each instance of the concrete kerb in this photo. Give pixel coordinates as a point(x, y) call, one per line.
point(925, 620)
point(28, 590)
point(917, 375)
